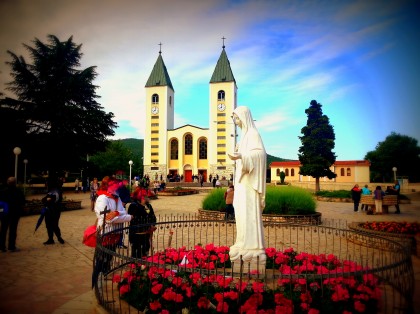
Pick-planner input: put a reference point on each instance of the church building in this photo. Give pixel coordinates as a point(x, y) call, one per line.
point(190, 150)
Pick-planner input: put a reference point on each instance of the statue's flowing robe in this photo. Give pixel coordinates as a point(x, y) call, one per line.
point(250, 186)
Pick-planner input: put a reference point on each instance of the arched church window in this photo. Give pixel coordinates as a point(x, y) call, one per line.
point(203, 148)
point(342, 172)
point(286, 172)
point(174, 149)
point(155, 99)
point(278, 172)
point(221, 95)
point(292, 172)
point(170, 100)
point(188, 144)
point(348, 172)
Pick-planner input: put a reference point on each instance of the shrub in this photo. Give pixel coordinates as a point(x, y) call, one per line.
point(215, 200)
point(286, 200)
point(338, 194)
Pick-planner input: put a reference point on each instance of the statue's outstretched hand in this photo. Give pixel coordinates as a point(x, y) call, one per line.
point(235, 156)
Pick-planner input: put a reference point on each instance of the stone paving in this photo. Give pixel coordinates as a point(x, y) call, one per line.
point(57, 278)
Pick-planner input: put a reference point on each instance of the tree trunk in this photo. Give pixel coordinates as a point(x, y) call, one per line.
point(317, 187)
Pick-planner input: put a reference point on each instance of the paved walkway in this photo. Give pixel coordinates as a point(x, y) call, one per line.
point(57, 278)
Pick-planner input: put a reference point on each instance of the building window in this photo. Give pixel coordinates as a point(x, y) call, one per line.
point(203, 149)
point(278, 172)
point(154, 168)
point(221, 160)
point(221, 137)
point(292, 172)
point(342, 172)
point(221, 114)
point(170, 100)
point(221, 145)
point(155, 139)
point(155, 131)
point(188, 144)
point(155, 161)
point(155, 154)
point(155, 146)
point(287, 172)
point(221, 95)
point(221, 153)
point(155, 124)
point(221, 130)
point(221, 168)
point(174, 149)
point(155, 99)
point(348, 172)
point(155, 117)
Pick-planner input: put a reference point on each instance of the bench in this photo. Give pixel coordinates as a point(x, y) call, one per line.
point(388, 200)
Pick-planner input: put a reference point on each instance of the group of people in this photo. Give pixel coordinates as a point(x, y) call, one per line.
point(378, 195)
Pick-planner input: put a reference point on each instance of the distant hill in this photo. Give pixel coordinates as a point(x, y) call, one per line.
point(136, 146)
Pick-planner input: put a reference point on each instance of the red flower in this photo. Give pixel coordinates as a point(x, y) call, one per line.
point(155, 305)
point(156, 288)
point(203, 303)
point(124, 289)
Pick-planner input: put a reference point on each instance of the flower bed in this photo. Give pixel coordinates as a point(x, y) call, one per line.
point(398, 230)
point(35, 207)
point(176, 281)
point(301, 219)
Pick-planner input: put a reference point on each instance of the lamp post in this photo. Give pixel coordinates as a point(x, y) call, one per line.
point(17, 152)
point(25, 161)
point(129, 179)
point(395, 173)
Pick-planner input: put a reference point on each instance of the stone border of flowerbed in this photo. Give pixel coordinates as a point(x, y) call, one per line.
point(34, 209)
point(172, 192)
point(413, 240)
point(313, 219)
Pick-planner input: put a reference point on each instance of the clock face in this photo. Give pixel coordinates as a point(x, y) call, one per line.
point(221, 107)
point(155, 110)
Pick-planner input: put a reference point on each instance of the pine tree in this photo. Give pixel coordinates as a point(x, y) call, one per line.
point(315, 154)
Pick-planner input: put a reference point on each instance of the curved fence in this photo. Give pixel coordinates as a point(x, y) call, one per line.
point(309, 267)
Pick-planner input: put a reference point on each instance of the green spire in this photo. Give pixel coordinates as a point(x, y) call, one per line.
point(159, 75)
point(222, 72)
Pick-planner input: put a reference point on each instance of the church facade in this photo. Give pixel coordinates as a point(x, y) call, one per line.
point(189, 150)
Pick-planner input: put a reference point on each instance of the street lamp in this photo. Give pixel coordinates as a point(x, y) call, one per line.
point(395, 173)
point(17, 152)
point(129, 179)
point(25, 161)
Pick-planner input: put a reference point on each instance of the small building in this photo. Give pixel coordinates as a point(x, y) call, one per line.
point(348, 171)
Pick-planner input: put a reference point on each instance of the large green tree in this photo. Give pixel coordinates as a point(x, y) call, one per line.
point(318, 141)
point(400, 151)
point(57, 120)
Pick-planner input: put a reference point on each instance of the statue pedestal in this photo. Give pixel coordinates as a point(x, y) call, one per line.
point(253, 267)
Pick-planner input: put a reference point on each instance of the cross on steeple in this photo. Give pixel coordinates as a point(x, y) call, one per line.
point(223, 42)
point(160, 48)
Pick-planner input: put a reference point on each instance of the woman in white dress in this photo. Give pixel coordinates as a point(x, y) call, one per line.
point(250, 185)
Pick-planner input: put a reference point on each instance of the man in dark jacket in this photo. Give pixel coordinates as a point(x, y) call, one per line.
point(15, 199)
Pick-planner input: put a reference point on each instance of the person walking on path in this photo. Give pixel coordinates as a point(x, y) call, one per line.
point(378, 195)
point(15, 200)
point(365, 191)
point(356, 193)
point(53, 202)
point(229, 210)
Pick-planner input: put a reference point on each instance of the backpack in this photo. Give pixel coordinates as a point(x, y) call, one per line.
point(4, 209)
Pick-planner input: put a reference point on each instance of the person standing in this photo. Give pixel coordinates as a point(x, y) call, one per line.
point(229, 209)
point(395, 190)
point(76, 185)
point(94, 187)
point(365, 191)
point(378, 196)
point(140, 233)
point(356, 193)
point(53, 202)
point(15, 200)
point(250, 185)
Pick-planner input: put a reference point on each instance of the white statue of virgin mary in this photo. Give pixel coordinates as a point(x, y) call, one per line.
point(250, 185)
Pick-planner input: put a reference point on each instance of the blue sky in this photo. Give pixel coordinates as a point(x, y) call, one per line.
point(359, 59)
